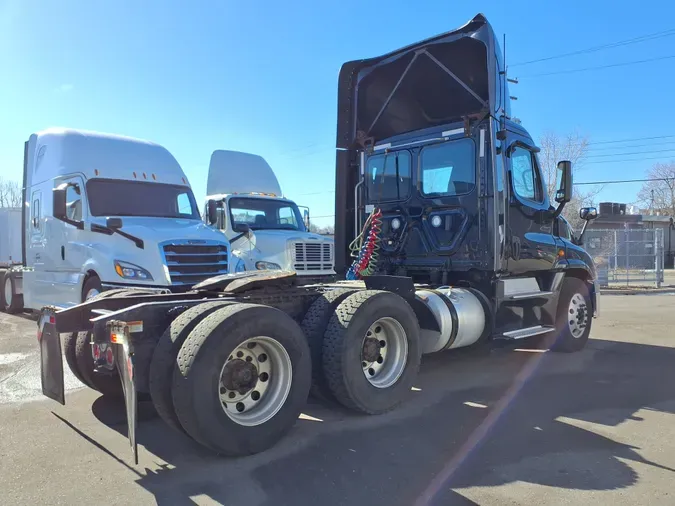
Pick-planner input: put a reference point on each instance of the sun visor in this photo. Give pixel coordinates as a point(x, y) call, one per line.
point(430, 83)
point(237, 172)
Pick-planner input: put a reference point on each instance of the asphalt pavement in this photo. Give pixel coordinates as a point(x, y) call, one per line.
point(516, 426)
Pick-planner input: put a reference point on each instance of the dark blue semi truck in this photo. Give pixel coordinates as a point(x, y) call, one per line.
point(445, 238)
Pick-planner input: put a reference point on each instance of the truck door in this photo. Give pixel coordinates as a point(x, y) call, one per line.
point(532, 245)
point(69, 245)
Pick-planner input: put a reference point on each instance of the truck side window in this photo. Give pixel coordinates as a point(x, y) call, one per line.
point(74, 203)
point(524, 175)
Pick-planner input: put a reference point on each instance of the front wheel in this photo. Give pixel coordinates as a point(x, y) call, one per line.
point(574, 316)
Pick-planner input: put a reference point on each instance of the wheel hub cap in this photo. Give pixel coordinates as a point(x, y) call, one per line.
point(371, 349)
point(577, 315)
point(240, 375)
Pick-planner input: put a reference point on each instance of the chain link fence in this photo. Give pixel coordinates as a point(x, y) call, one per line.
point(628, 257)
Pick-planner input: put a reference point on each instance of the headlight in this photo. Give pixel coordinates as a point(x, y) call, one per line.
point(131, 271)
point(262, 266)
point(241, 266)
point(395, 224)
point(436, 221)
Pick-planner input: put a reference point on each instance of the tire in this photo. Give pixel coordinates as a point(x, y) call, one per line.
point(573, 337)
point(343, 351)
point(197, 379)
point(314, 326)
point(77, 349)
point(91, 285)
point(108, 383)
point(164, 359)
point(16, 303)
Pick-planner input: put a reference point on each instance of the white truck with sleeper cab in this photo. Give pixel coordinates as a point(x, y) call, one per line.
point(101, 212)
point(266, 230)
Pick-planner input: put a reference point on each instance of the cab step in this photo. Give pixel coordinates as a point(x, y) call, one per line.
point(527, 332)
point(531, 295)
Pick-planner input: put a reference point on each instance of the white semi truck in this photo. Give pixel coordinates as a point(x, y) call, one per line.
point(266, 230)
point(101, 212)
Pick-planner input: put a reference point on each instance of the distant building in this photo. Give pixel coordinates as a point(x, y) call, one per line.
point(613, 216)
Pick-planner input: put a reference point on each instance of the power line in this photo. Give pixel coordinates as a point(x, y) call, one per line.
point(626, 42)
point(633, 146)
point(630, 160)
point(633, 139)
point(598, 67)
point(617, 181)
point(651, 152)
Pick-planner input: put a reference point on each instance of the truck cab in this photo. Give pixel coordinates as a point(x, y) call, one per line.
point(429, 156)
point(104, 211)
point(266, 230)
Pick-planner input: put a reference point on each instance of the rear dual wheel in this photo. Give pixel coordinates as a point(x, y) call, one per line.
point(371, 353)
point(241, 379)
point(77, 347)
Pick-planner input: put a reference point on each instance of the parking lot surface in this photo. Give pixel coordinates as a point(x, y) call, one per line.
point(516, 426)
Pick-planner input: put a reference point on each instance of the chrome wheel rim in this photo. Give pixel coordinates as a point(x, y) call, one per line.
point(8, 292)
point(91, 293)
point(255, 381)
point(384, 352)
point(577, 315)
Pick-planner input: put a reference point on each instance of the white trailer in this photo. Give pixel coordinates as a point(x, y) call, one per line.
point(266, 230)
point(10, 237)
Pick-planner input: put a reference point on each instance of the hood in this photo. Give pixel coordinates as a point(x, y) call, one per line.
point(158, 230)
point(269, 240)
point(238, 172)
point(430, 83)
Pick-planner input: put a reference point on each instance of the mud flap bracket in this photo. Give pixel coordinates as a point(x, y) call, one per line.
point(124, 359)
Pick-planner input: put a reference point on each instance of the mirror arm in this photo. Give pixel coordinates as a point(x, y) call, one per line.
point(580, 239)
point(558, 210)
point(77, 224)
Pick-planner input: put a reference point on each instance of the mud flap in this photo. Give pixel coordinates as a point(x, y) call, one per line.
point(124, 358)
point(51, 367)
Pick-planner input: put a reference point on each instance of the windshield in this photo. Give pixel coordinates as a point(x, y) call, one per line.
point(448, 168)
point(260, 214)
point(109, 197)
point(388, 176)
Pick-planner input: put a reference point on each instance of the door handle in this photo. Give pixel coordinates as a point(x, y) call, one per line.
point(63, 252)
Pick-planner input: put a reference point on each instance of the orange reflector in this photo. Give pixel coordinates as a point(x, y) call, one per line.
point(561, 253)
point(118, 270)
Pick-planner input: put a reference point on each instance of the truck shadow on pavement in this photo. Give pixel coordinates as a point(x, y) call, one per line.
point(541, 418)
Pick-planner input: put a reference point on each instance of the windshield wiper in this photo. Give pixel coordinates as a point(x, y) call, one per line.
point(95, 227)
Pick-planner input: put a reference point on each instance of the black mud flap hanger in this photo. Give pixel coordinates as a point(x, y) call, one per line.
point(51, 366)
point(124, 358)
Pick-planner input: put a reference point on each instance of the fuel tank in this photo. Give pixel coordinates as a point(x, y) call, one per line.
point(460, 316)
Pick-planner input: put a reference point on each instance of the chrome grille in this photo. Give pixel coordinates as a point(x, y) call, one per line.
point(189, 264)
point(313, 256)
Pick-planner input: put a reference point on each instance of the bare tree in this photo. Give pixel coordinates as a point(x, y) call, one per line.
point(316, 229)
point(572, 147)
point(659, 195)
point(10, 194)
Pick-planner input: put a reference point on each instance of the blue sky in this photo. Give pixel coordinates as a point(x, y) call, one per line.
point(261, 76)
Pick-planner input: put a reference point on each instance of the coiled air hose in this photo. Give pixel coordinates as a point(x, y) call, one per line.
point(365, 248)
